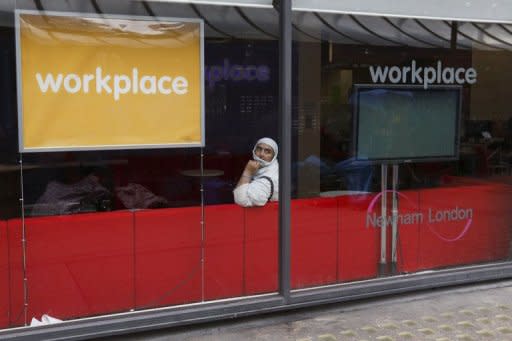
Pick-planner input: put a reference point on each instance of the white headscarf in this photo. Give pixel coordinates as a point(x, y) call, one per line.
point(272, 144)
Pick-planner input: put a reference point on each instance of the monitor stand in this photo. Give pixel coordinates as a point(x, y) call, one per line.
point(383, 268)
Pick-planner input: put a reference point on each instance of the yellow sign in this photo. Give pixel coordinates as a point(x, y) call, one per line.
point(109, 82)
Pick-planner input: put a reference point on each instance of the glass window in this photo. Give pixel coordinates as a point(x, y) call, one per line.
point(428, 96)
point(130, 229)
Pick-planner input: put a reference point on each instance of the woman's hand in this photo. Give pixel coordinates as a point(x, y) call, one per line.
point(251, 167)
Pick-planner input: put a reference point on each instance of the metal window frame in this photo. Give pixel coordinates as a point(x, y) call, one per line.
point(285, 139)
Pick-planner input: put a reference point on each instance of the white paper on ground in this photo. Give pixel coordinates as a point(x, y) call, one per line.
point(35, 322)
point(47, 319)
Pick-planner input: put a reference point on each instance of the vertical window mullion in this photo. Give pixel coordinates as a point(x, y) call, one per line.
point(285, 123)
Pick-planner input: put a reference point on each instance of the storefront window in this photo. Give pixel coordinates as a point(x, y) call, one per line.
point(139, 153)
point(103, 230)
point(428, 96)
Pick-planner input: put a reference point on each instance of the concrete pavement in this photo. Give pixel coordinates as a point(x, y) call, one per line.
point(472, 312)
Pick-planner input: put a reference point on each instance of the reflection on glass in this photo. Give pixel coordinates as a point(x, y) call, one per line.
point(449, 198)
point(107, 231)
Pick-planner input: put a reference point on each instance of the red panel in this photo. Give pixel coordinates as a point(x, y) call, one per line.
point(448, 242)
point(500, 216)
point(77, 265)
point(168, 267)
point(360, 227)
point(4, 276)
point(359, 244)
point(409, 224)
point(224, 249)
point(314, 242)
point(261, 245)
point(15, 273)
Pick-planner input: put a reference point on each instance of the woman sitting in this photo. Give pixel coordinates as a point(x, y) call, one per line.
point(259, 182)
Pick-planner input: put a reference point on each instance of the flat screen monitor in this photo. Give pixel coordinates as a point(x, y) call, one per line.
point(398, 124)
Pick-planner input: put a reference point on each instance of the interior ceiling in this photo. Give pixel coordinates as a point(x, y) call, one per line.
point(228, 22)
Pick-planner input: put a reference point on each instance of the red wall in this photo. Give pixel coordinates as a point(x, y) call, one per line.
point(77, 265)
point(261, 249)
point(485, 239)
point(224, 251)
point(168, 267)
point(100, 263)
point(4, 276)
point(314, 231)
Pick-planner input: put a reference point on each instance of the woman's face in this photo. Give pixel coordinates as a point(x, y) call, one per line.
point(264, 152)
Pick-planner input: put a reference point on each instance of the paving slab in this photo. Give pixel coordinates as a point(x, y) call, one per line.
point(466, 313)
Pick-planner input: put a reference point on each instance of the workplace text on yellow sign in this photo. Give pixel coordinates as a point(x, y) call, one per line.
point(109, 83)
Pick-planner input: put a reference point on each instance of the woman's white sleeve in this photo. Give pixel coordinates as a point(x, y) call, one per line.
point(255, 193)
